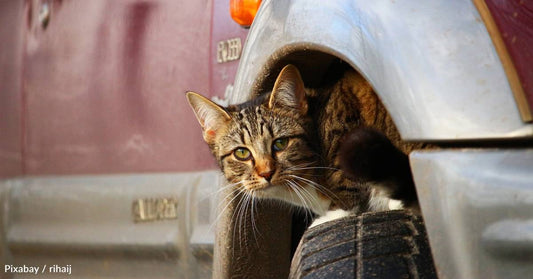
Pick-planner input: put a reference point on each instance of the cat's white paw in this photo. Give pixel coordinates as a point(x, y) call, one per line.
point(395, 204)
point(330, 216)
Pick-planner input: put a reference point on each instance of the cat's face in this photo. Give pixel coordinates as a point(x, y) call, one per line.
point(263, 146)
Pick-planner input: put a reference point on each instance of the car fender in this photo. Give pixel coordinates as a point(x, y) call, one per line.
point(432, 63)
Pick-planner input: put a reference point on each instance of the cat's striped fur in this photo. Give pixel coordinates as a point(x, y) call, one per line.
point(313, 122)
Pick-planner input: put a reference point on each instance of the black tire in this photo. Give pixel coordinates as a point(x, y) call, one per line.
point(391, 244)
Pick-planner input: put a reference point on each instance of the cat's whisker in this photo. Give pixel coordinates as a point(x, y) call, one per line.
point(297, 191)
point(313, 168)
point(252, 213)
point(247, 209)
point(239, 220)
point(322, 189)
point(236, 193)
point(239, 195)
point(235, 215)
point(226, 206)
point(219, 191)
point(311, 174)
point(289, 183)
point(317, 186)
point(312, 199)
point(254, 226)
point(243, 214)
point(254, 209)
point(307, 209)
point(303, 165)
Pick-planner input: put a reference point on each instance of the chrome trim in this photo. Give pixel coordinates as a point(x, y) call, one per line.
point(86, 222)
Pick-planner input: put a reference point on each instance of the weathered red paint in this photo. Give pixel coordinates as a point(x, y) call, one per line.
point(103, 86)
point(11, 24)
point(515, 21)
point(224, 28)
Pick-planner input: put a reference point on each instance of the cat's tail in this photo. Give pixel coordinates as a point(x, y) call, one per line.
point(368, 156)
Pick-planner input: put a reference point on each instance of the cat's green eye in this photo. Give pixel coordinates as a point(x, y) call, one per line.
point(280, 144)
point(242, 154)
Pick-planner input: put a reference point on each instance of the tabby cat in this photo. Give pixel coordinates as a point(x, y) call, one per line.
point(285, 145)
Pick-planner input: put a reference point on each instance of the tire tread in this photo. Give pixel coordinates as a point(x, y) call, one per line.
point(390, 244)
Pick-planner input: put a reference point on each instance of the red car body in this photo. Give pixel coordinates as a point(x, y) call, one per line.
point(100, 87)
point(94, 92)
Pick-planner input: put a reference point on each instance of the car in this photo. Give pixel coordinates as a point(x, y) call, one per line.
point(455, 75)
point(103, 170)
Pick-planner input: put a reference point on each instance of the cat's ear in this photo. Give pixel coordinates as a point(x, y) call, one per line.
point(289, 91)
point(211, 116)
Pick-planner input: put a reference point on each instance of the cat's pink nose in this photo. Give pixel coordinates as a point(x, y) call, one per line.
point(267, 175)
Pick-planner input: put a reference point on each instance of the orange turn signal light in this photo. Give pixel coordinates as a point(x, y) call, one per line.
point(243, 11)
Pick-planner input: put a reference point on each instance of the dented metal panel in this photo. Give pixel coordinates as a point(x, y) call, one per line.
point(104, 86)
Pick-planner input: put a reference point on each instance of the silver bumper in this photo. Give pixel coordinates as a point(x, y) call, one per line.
point(478, 209)
point(91, 223)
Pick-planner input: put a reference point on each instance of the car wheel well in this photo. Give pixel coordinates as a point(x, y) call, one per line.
point(318, 69)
